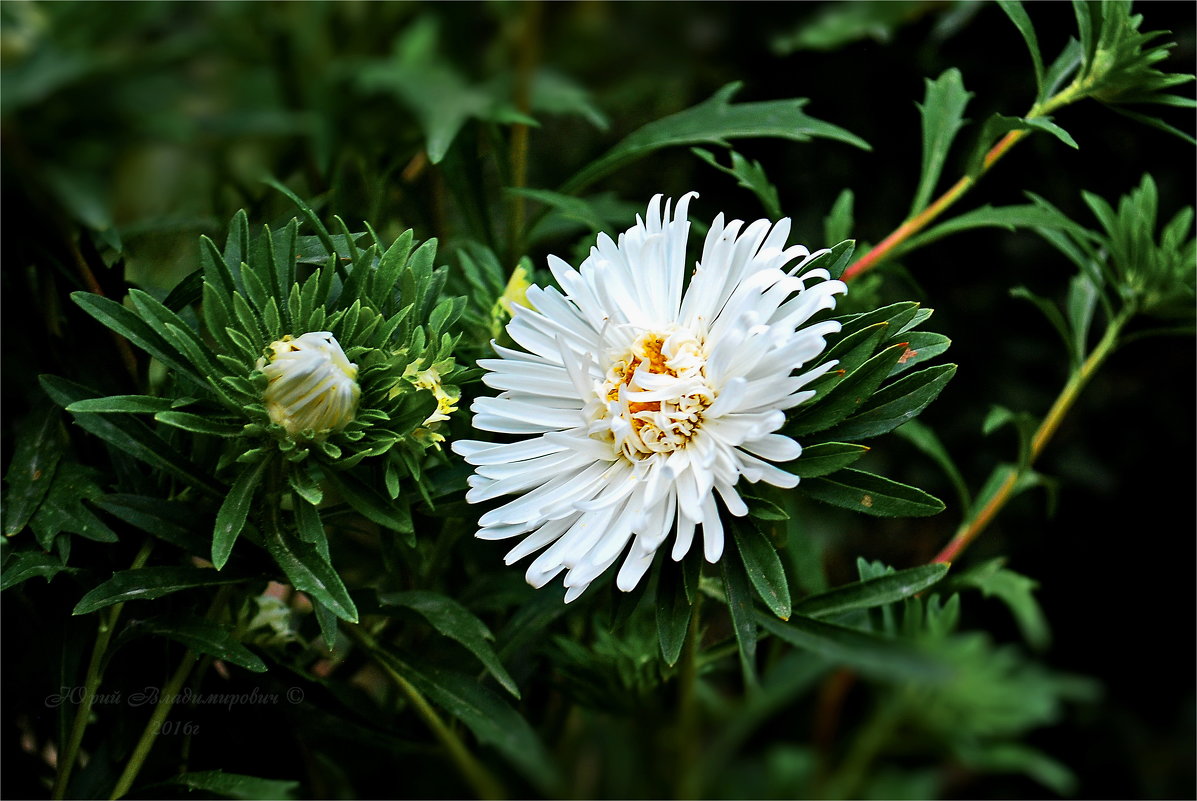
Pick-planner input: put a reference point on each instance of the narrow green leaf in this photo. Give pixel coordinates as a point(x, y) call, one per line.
point(825, 458)
point(839, 222)
point(309, 572)
point(872, 592)
point(673, 610)
point(147, 583)
point(898, 403)
point(236, 785)
point(750, 175)
point(920, 347)
point(234, 511)
point(1007, 217)
point(834, 260)
point(133, 328)
point(202, 636)
point(925, 439)
point(488, 716)
point(40, 443)
point(739, 604)
point(25, 565)
point(764, 567)
point(880, 657)
point(849, 395)
point(713, 122)
point(114, 404)
point(201, 424)
point(1018, 15)
point(871, 494)
point(306, 210)
point(942, 114)
point(128, 434)
point(453, 620)
point(371, 504)
point(172, 521)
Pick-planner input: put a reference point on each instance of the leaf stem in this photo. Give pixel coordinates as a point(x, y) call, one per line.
point(95, 674)
point(884, 249)
point(972, 528)
point(483, 782)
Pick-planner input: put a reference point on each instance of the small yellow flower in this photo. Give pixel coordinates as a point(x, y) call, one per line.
point(313, 386)
point(446, 404)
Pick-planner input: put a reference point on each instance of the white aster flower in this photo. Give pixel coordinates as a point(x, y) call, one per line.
point(638, 400)
point(312, 385)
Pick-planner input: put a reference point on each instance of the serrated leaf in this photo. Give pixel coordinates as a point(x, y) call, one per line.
point(872, 494)
point(764, 568)
point(896, 404)
point(202, 636)
point(750, 175)
point(230, 519)
point(673, 610)
point(40, 443)
point(236, 785)
point(873, 592)
point(25, 565)
point(147, 583)
point(942, 114)
point(63, 508)
point(309, 572)
point(713, 122)
point(453, 620)
point(880, 657)
point(1017, 592)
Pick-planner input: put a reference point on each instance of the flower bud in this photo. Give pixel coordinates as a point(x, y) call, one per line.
point(312, 385)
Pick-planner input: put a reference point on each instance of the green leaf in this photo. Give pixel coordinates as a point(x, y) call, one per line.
point(64, 507)
point(25, 565)
point(764, 567)
point(673, 610)
point(487, 715)
point(825, 458)
point(943, 115)
point(839, 222)
point(834, 260)
point(309, 572)
point(236, 785)
point(369, 503)
point(849, 395)
point(1007, 217)
point(1017, 592)
point(1022, 21)
point(872, 592)
point(713, 122)
point(201, 424)
point(40, 442)
point(880, 657)
point(920, 347)
point(147, 583)
point(234, 511)
point(871, 494)
point(896, 404)
point(739, 604)
point(1022, 481)
point(837, 24)
point(172, 521)
point(202, 636)
point(113, 404)
point(128, 434)
point(453, 620)
point(750, 175)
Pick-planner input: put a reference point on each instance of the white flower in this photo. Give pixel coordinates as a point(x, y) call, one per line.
point(639, 400)
point(312, 385)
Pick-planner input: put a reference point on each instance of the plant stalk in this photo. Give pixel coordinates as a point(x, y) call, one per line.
point(91, 684)
point(973, 527)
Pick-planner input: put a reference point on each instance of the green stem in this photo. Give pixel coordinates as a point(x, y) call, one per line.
point(165, 701)
point(885, 248)
point(91, 684)
point(687, 739)
point(483, 782)
point(972, 528)
point(865, 748)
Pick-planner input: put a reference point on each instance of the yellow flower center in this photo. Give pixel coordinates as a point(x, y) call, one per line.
point(654, 395)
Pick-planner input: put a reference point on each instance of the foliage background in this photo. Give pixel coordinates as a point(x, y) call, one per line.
point(144, 125)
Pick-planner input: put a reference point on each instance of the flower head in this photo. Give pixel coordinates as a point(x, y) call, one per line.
point(312, 385)
point(638, 399)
